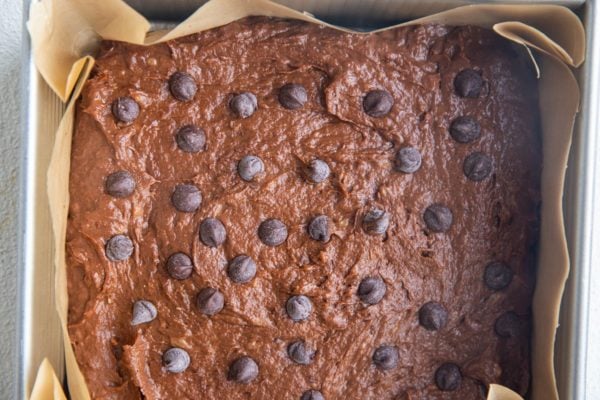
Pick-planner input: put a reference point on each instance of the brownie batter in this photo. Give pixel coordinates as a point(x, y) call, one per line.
point(277, 210)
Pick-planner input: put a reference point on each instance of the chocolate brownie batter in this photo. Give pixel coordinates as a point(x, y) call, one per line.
point(278, 210)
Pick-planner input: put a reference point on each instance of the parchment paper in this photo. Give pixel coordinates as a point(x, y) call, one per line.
point(66, 32)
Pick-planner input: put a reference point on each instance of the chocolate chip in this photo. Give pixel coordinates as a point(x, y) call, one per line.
point(243, 370)
point(376, 222)
point(293, 96)
point(497, 275)
point(318, 228)
point(477, 166)
point(316, 171)
point(408, 160)
point(176, 360)
point(125, 109)
point(312, 395)
point(249, 167)
point(119, 248)
point(182, 85)
point(210, 301)
point(465, 129)
point(241, 269)
point(371, 290)
point(378, 103)
point(386, 357)
point(191, 139)
point(243, 104)
point(300, 352)
point(448, 377)
point(438, 218)
point(119, 184)
point(433, 316)
point(298, 307)
point(212, 232)
point(508, 325)
point(179, 266)
point(468, 83)
point(143, 311)
point(272, 232)
point(186, 198)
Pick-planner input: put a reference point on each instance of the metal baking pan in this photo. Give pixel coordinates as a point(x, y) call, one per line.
point(39, 331)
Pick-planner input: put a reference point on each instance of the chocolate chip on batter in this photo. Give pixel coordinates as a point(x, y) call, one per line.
point(119, 248)
point(465, 129)
point(312, 395)
point(477, 166)
point(438, 218)
point(300, 352)
point(212, 232)
point(298, 307)
point(143, 311)
point(318, 228)
point(293, 96)
point(433, 316)
point(175, 360)
point(376, 222)
point(316, 171)
point(125, 109)
point(119, 184)
point(182, 86)
point(180, 266)
point(468, 83)
point(448, 377)
point(210, 301)
point(272, 232)
point(497, 275)
point(386, 357)
point(249, 167)
point(243, 104)
point(508, 325)
point(186, 198)
point(191, 139)
point(243, 370)
point(408, 160)
point(378, 103)
point(371, 290)
point(241, 269)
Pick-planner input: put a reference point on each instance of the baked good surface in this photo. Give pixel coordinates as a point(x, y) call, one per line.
point(277, 210)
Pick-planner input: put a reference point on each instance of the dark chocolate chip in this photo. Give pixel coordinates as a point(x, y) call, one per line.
point(119, 248)
point(318, 228)
point(433, 316)
point(176, 360)
point(210, 301)
point(508, 325)
point(386, 357)
point(378, 103)
point(371, 290)
point(376, 222)
point(298, 307)
point(143, 311)
point(272, 232)
point(243, 104)
point(119, 184)
point(312, 395)
point(448, 377)
point(497, 275)
point(465, 129)
point(243, 370)
point(182, 86)
point(293, 96)
point(300, 352)
point(180, 266)
point(438, 218)
point(316, 171)
point(468, 83)
point(191, 139)
point(186, 198)
point(249, 167)
point(477, 166)
point(241, 269)
point(212, 232)
point(408, 160)
point(125, 109)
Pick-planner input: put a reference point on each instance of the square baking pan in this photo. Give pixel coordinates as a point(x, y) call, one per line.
point(39, 331)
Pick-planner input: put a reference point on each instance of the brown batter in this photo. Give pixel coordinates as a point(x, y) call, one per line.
point(419, 150)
